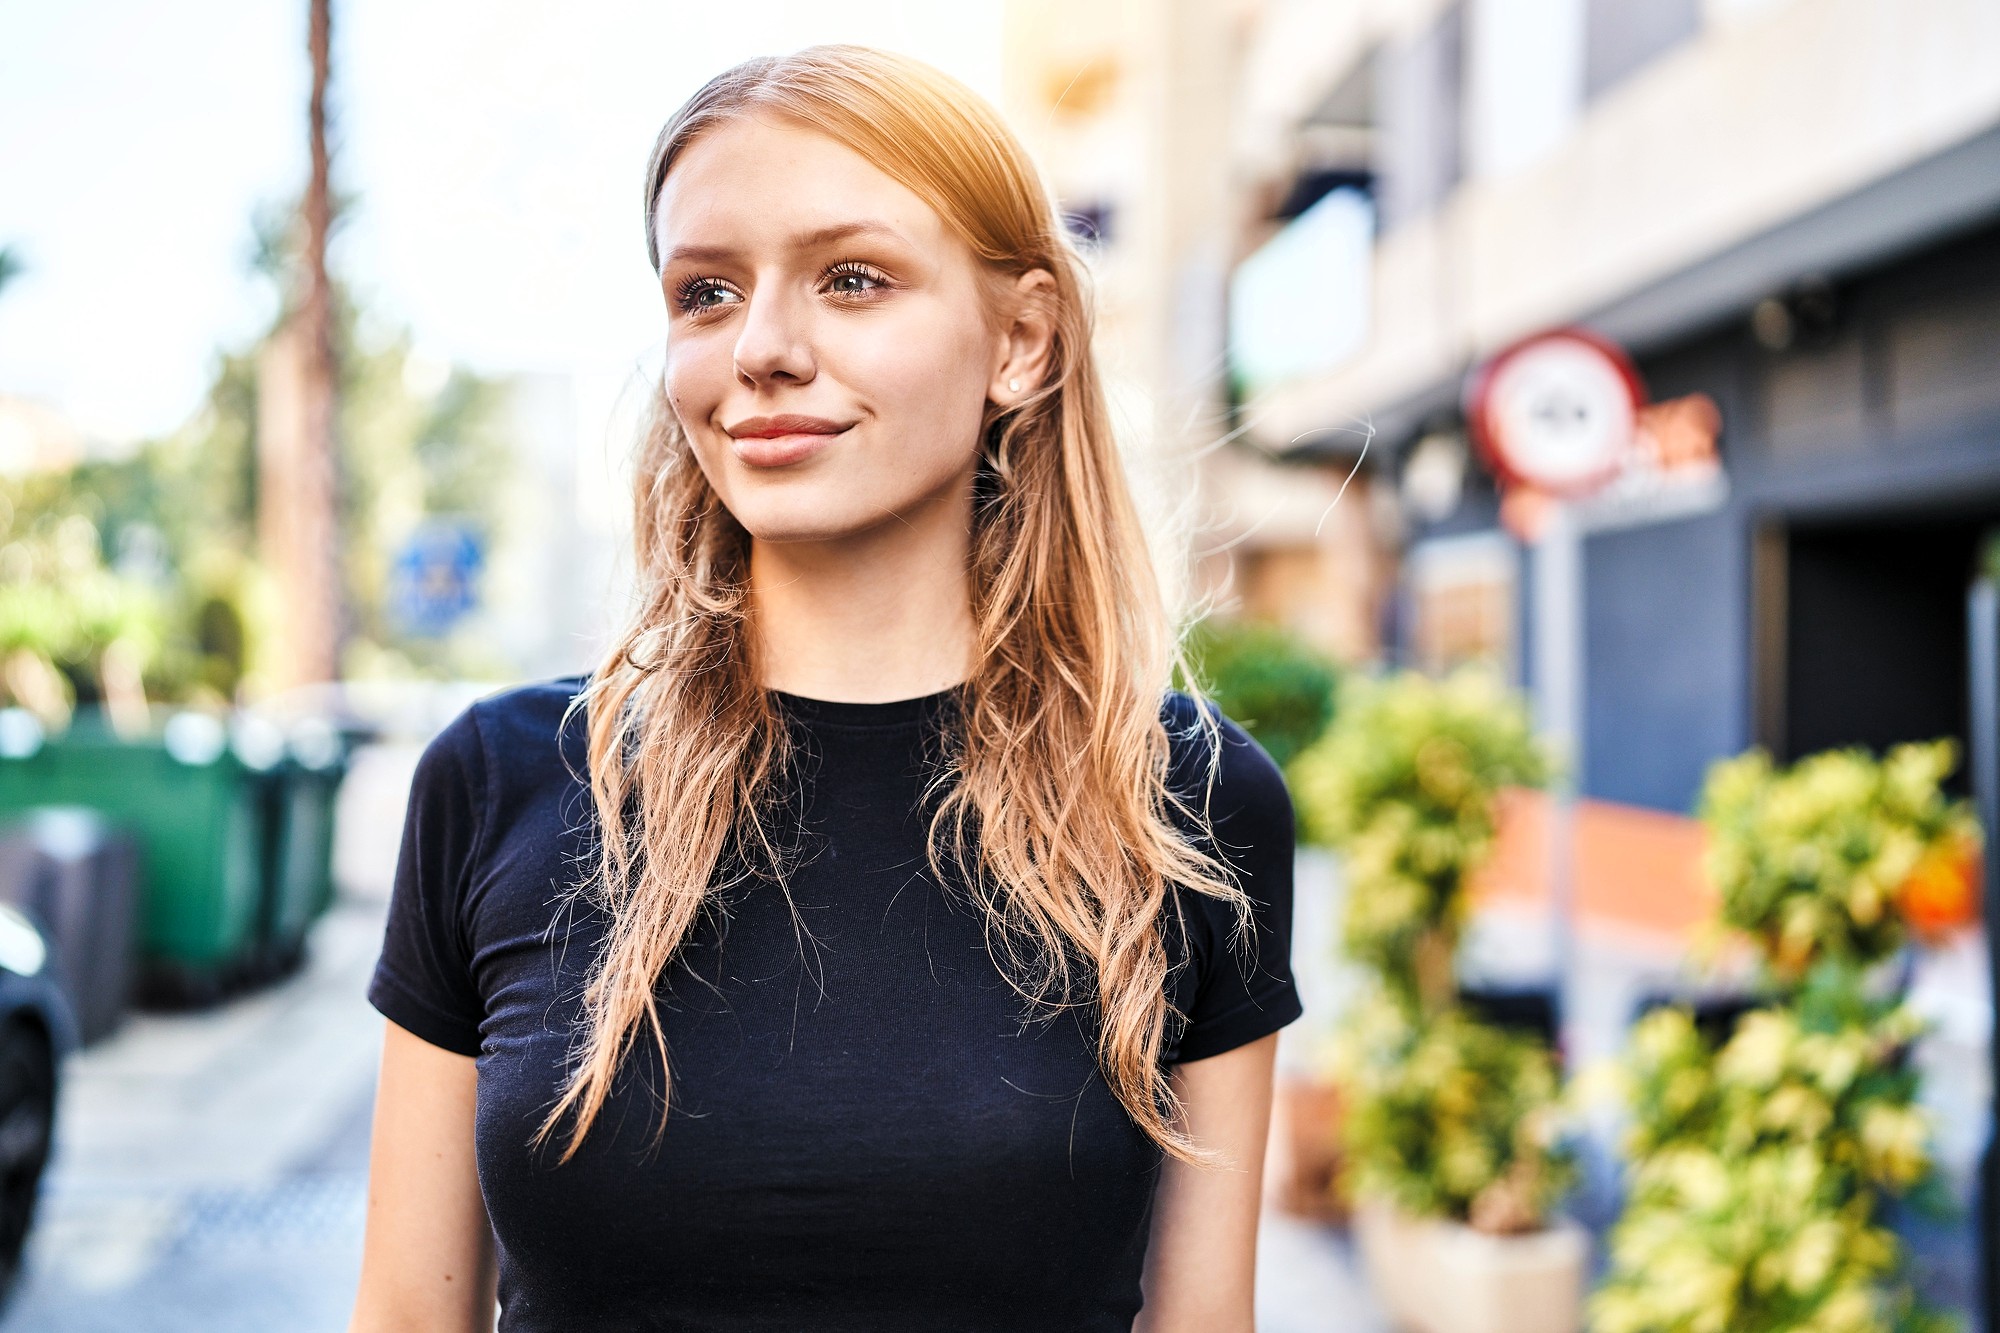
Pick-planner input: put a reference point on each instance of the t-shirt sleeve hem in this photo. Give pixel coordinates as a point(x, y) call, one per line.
point(1240, 1026)
point(395, 1001)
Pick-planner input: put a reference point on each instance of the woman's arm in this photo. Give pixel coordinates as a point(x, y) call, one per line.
point(427, 1261)
point(1201, 1262)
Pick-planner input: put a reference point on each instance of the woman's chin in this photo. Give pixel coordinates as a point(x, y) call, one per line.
point(849, 507)
point(800, 525)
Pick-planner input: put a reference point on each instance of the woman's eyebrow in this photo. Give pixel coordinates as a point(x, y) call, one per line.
point(805, 240)
point(841, 231)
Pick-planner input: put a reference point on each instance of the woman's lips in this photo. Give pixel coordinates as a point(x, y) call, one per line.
point(780, 450)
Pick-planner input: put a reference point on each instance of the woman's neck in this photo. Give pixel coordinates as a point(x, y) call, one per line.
point(871, 617)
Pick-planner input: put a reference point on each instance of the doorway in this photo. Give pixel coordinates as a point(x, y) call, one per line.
point(1874, 641)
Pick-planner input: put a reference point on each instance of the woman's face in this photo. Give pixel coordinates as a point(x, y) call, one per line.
point(828, 352)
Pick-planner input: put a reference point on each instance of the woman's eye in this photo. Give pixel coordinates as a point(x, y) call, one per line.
point(853, 282)
point(704, 295)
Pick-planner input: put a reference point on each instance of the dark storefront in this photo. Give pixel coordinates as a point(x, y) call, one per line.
point(1823, 603)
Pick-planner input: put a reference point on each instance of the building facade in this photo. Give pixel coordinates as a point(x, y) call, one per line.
point(1791, 207)
point(1131, 107)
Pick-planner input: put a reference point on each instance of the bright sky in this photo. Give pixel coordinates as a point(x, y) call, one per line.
point(496, 147)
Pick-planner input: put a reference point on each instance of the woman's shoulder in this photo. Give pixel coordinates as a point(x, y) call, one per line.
point(523, 720)
point(489, 801)
point(1222, 767)
point(1240, 985)
point(508, 741)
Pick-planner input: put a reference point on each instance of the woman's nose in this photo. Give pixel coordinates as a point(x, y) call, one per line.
point(773, 342)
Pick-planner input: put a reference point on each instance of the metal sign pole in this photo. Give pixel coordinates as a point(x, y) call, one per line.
point(1983, 642)
point(1558, 661)
point(1557, 416)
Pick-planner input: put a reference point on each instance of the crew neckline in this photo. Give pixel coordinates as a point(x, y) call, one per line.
point(887, 713)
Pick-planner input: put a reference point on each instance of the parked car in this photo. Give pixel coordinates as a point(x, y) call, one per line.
point(37, 1029)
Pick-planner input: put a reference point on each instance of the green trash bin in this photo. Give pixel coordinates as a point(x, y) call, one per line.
point(192, 802)
point(299, 795)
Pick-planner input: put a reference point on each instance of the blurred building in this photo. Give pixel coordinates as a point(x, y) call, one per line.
point(1790, 206)
point(1129, 105)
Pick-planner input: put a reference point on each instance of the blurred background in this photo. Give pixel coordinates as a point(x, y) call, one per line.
point(324, 326)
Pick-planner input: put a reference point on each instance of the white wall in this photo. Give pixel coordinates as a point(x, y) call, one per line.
point(1524, 81)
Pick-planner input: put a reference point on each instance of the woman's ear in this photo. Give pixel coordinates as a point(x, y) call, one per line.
point(1027, 338)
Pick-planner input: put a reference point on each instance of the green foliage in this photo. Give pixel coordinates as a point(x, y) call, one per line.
point(1404, 784)
point(158, 551)
point(63, 608)
point(1451, 1117)
point(157, 541)
point(1828, 1069)
point(186, 506)
point(1277, 686)
point(1759, 1170)
point(1446, 1116)
point(1808, 860)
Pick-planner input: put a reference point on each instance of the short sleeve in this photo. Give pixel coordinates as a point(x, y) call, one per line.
point(423, 980)
point(1244, 988)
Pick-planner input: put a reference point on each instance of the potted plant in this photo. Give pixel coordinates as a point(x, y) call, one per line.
point(1457, 1165)
point(1760, 1161)
point(1451, 1126)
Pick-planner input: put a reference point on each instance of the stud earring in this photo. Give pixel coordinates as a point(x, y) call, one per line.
point(1013, 386)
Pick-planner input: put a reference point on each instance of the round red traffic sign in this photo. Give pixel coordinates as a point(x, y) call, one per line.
point(1556, 411)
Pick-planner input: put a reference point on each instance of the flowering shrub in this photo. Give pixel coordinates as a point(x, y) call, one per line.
point(1809, 862)
point(1759, 1166)
point(1452, 1117)
point(1447, 1116)
point(1404, 784)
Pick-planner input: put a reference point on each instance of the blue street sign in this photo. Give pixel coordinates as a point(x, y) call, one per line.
point(431, 584)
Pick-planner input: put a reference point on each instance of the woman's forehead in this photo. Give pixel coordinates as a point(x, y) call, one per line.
point(781, 182)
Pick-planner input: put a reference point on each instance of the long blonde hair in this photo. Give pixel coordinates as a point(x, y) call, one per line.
point(1054, 803)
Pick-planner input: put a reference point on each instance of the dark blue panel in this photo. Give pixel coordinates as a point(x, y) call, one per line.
point(1665, 618)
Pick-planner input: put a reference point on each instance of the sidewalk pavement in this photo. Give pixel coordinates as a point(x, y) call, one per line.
point(1309, 1280)
point(211, 1169)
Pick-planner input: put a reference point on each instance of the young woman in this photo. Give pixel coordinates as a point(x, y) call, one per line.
point(873, 941)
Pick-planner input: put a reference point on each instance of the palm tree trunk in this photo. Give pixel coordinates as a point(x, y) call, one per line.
point(299, 502)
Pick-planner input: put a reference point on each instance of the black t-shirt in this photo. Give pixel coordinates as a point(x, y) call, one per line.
point(864, 1134)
